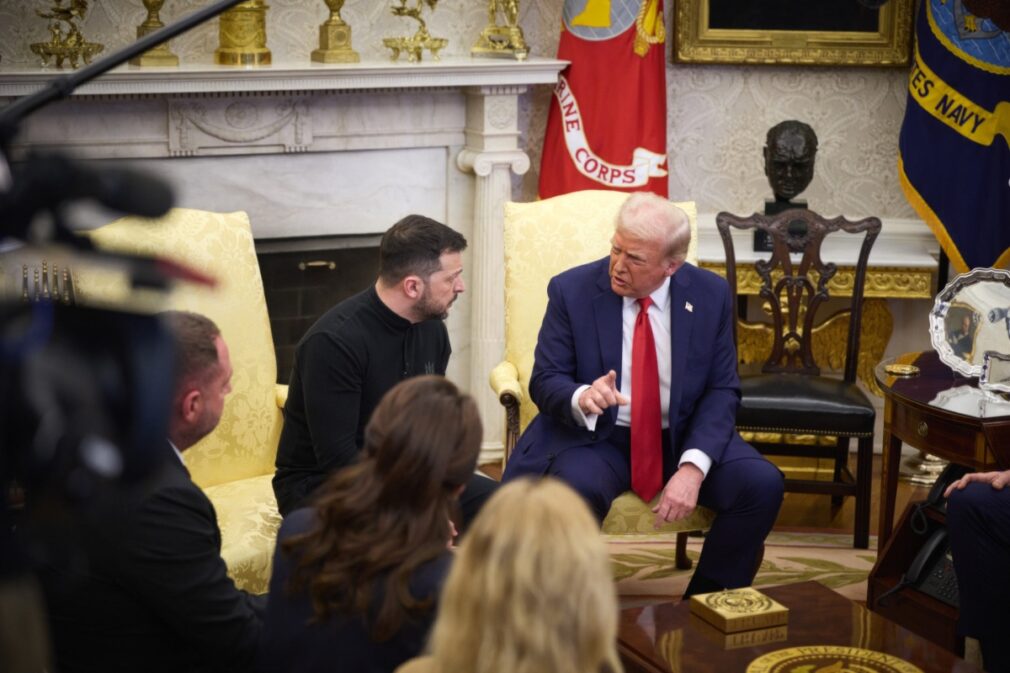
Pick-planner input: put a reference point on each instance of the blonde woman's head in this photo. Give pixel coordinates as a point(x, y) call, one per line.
point(531, 590)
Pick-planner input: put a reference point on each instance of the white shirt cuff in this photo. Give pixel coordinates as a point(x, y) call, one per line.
point(698, 458)
point(586, 421)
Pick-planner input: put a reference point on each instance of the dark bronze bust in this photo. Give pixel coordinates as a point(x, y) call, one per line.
point(790, 149)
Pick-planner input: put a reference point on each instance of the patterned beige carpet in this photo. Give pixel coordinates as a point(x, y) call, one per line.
point(643, 567)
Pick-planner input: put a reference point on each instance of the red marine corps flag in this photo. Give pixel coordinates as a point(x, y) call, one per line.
point(606, 128)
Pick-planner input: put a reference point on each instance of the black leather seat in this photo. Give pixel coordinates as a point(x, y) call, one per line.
point(790, 397)
point(804, 405)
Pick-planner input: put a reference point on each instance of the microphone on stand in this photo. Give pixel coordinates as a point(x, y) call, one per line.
point(134, 349)
point(48, 181)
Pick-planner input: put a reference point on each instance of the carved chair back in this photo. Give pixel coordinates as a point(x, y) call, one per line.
point(795, 282)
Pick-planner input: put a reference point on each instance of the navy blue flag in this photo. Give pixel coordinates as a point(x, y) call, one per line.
point(954, 147)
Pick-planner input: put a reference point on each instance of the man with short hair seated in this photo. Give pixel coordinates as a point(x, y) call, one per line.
point(154, 595)
point(360, 349)
point(635, 377)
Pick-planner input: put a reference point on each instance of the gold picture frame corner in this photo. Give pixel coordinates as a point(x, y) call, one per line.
point(694, 42)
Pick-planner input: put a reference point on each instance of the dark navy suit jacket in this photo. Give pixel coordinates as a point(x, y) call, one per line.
point(580, 340)
point(153, 594)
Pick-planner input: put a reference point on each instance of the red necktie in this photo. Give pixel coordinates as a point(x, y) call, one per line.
point(646, 415)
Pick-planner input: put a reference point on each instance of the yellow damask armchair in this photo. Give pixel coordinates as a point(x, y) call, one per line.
point(542, 239)
point(235, 463)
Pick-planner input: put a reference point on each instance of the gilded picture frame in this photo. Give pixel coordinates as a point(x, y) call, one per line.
point(843, 34)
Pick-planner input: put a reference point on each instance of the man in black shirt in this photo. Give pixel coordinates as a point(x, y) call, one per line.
point(361, 348)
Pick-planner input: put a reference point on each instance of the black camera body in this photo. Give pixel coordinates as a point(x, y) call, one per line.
point(84, 398)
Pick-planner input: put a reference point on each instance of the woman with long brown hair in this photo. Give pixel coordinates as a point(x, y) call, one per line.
point(356, 576)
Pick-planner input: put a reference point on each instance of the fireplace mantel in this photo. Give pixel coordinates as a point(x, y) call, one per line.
point(325, 150)
point(368, 76)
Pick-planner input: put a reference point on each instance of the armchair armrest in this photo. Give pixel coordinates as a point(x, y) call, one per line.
point(504, 382)
point(281, 393)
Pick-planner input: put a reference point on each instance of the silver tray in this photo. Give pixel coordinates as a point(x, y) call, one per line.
point(971, 317)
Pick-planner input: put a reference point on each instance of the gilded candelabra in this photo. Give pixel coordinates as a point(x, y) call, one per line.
point(242, 34)
point(415, 45)
point(66, 41)
point(335, 38)
point(502, 40)
point(160, 55)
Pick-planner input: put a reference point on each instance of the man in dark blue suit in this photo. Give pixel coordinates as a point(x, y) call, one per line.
point(645, 312)
point(978, 520)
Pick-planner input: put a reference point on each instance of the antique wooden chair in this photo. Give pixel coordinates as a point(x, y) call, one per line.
point(790, 396)
point(542, 239)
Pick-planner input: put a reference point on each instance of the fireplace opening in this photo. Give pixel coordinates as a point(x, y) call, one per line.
point(304, 277)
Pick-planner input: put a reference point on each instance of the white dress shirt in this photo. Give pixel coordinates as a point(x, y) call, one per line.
point(178, 453)
point(659, 318)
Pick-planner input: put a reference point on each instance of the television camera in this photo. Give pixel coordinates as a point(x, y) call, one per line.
point(84, 389)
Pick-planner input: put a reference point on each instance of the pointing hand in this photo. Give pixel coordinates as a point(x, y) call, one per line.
point(603, 393)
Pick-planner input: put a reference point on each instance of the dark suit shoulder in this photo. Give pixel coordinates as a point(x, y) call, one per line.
point(297, 522)
point(174, 517)
point(583, 273)
point(710, 285)
point(703, 276)
point(175, 492)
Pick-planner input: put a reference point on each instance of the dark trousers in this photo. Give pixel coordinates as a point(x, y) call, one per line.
point(978, 521)
point(745, 493)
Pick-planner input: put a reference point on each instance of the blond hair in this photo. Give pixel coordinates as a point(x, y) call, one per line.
point(531, 590)
point(652, 218)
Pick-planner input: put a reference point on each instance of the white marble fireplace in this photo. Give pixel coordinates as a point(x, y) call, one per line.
point(325, 151)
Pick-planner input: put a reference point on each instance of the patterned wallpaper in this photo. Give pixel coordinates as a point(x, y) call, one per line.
point(718, 115)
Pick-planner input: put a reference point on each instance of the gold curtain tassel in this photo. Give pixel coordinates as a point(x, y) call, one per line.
point(649, 28)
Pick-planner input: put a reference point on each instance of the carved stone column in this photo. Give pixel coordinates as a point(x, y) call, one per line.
point(492, 153)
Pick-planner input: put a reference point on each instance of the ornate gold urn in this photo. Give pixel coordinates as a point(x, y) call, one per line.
point(415, 45)
point(335, 38)
point(160, 55)
point(66, 40)
point(242, 35)
point(502, 40)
